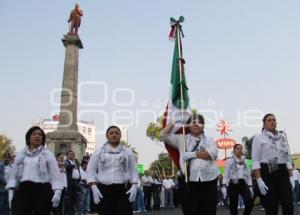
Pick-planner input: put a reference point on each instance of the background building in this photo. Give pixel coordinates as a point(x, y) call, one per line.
point(87, 129)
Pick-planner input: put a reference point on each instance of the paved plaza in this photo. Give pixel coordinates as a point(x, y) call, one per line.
point(220, 211)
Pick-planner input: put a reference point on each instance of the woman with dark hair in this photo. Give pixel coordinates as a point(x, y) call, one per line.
point(272, 167)
point(35, 179)
point(238, 180)
point(200, 153)
point(112, 175)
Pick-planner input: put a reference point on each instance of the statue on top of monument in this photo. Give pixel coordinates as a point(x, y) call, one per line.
point(75, 19)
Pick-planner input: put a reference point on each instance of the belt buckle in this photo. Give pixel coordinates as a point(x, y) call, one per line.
point(273, 167)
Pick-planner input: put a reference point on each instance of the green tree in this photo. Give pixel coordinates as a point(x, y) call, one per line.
point(153, 131)
point(5, 146)
point(248, 146)
point(162, 165)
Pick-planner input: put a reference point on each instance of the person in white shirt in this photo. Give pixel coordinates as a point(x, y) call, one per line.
point(139, 200)
point(296, 176)
point(162, 193)
point(147, 182)
point(7, 160)
point(298, 186)
point(157, 184)
point(201, 153)
point(237, 179)
point(84, 195)
point(272, 167)
point(168, 185)
point(34, 175)
point(73, 179)
point(112, 175)
point(62, 170)
point(8, 165)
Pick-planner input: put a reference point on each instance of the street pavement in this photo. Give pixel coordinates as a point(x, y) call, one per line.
point(220, 211)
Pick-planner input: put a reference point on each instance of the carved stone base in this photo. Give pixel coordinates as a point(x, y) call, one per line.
point(63, 141)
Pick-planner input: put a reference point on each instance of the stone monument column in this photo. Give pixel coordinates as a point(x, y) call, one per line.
point(67, 137)
point(68, 108)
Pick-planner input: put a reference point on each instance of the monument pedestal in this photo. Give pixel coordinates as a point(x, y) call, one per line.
point(63, 141)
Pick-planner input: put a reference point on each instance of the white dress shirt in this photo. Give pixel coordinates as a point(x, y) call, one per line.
point(296, 175)
point(7, 172)
point(266, 150)
point(75, 172)
point(147, 180)
point(63, 176)
point(31, 171)
point(168, 184)
point(139, 184)
point(200, 169)
point(109, 165)
point(156, 182)
point(83, 174)
point(241, 171)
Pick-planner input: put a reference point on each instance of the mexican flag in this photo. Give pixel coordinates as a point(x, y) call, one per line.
point(178, 108)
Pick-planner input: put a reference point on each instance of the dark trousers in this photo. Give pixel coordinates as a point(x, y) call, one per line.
point(147, 197)
point(184, 197)
point(204, 197)
point(32, 198)
point(4, 207)
point(296, 192)
point(280, 190)
point(70, 200)
point(234, 190)
point(175, 197)
point(156, 197)
point(115, 200)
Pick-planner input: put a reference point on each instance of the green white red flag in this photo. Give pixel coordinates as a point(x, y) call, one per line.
point(178, 109)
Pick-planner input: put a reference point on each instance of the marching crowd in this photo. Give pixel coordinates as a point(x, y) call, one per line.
point(107, 182)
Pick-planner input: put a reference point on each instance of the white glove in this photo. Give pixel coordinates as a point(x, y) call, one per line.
point(10, 197)
point(251, 192)
point(56, 198)
point(292, 182)
point(96, 194)
point(262, 186)
point(188, 155)
point(132, 192)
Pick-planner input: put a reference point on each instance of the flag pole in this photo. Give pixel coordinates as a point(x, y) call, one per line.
point(178, 34)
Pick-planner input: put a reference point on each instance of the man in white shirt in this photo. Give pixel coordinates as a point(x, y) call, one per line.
point(84, 195)
point(139, 200)
point(7, 171)
point(73, 179)
point(168, 185)
point(147, 182)
point(296, 176)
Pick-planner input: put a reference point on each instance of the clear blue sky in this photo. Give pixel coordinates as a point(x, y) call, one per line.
point(240, 55)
